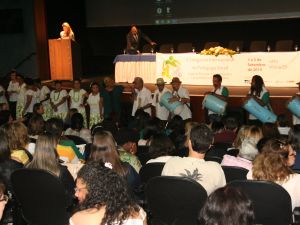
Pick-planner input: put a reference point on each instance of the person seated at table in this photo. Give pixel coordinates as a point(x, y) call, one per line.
point(134, 38)
point(104, 198)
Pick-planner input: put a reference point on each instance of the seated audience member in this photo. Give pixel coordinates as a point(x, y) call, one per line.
point(127, 148)
point(18, 141)
point(270, 130)
point(152, 128)
point(273, 164)
point(240, 136)
point(46, 158)
point(294, 141)
point(104, 198)
point(38, 108)
point(104, 150)
point(7, 164)
point(5, 117)
point(161, 149)
point(227, 205)
point(36, 126)
point(216, 126)
point(246, 155)
point(176, 132)
point(283, 124)
point(3, 198)
point(67, 120)
point(209, 174)
point(228, 134)
point(77, 128)
point(66, 149)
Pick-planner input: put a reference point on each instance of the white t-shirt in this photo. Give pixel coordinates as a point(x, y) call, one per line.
point(43, 94)
point(207, 173)
point(2, 98)
point(161, 159)
point(56, 97)
point(13, 87)
point(161, 112)
point(34, 99)
point(143, 98)
point(184, 93)
point(76, 98)
point(93, 102)
point(291, 186)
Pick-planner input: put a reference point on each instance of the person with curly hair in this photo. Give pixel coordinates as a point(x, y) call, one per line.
point(104, 150)
point(218, 208)
point(104, 198)
point(273, 164)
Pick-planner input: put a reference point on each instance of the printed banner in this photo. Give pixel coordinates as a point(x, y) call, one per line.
point(278, 69)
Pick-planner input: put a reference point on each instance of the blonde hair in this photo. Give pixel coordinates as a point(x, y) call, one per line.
point(18, 135)
point(45, 156)
point(247, 132)
point(70, 32)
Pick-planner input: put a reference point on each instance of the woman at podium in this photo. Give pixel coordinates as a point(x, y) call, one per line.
point(67, 32)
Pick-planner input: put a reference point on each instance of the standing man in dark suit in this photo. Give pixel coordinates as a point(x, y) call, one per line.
point(134, 38)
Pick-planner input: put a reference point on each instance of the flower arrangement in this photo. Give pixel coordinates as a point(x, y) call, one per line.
point(218, 51)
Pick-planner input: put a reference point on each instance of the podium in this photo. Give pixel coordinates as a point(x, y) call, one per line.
point(65, 59)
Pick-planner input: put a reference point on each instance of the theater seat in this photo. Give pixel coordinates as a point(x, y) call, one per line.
point(185, 47)
point(211, 44)
point(166, 48)
point(258, 46)
point(284, 45)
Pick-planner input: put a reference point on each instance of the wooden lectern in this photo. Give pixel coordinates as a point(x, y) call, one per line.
point(65, 59)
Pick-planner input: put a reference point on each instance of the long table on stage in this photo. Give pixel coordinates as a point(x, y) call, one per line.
point(280, 70)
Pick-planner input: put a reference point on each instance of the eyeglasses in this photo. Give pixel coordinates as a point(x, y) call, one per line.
point(79, 189)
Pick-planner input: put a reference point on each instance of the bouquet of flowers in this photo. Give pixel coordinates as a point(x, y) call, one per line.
point(218, 51)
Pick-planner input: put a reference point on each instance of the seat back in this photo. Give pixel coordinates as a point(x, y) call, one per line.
point(284, 45)
point(218, 149)
point(174, 200)
point(236, 45)
point(166, 48)
point(271, 202)
point(143, 154)
point(41, 196)
point(234, 173)
point(147, 48)
point(258, 46)
point(211, 44)
point(185, 47)
point(213, 158)
point(150, 170)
